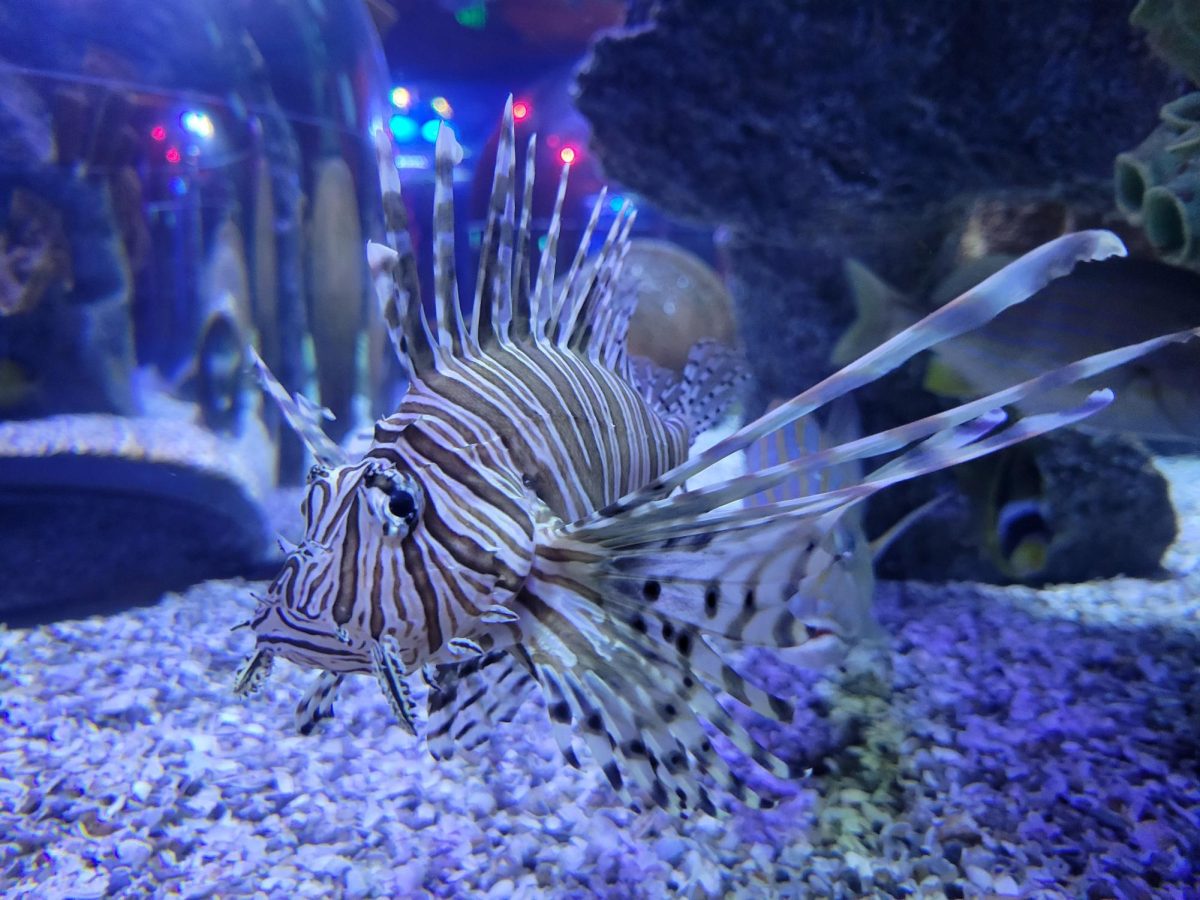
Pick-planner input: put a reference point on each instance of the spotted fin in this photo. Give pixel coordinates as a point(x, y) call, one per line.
point(627, 629)
point(389, 672)
point(471, 698)
point(627, 612)
point(703, 394)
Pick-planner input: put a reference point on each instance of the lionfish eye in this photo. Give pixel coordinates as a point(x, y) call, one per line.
point(402, 505)
point(317, 473)
point(398, 501)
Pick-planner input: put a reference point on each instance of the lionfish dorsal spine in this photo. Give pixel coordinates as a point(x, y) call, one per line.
point(396, 283)
point(585, 314)
point(562, 313)
point(609, 318)
point(493, 285)
point(542, 303)
point(452, 334)
point(592, 296)
point(521, 311)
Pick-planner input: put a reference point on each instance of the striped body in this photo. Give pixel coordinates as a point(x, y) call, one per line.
point(486, 441)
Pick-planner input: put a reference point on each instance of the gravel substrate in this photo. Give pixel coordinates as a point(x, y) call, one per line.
point(1035, 743)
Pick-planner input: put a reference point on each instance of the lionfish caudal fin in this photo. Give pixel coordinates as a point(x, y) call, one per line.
point(586, 313)
point(630, 612)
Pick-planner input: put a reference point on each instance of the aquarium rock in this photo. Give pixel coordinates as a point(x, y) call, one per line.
point(100, 512)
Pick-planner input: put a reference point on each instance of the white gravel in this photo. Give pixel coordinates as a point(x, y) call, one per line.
point(1035, 743)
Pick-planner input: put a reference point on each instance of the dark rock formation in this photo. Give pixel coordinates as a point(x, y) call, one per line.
point(1107, 513)
point(819, 130)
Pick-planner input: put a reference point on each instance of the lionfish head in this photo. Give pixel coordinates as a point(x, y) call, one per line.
point(399, 545)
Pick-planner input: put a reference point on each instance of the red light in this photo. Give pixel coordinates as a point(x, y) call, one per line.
point(520, 111)
point(567, 154)
point(158, 133)
point(173, 156)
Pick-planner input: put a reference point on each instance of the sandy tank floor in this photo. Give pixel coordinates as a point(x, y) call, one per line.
point(1036, 743)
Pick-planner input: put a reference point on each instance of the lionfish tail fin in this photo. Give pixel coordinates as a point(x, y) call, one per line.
point(713, 377)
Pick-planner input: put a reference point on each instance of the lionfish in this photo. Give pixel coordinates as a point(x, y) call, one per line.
point(524, 519)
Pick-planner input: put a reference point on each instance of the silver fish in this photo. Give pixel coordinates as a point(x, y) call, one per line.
point(524, 511)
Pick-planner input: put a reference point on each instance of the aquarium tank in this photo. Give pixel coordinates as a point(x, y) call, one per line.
point(600, 448)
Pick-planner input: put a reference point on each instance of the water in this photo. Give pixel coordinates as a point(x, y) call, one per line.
point(170, 196)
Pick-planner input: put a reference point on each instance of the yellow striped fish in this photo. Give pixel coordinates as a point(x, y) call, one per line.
point(522, 520)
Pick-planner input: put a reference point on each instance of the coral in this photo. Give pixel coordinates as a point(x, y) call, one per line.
point(1157, 183)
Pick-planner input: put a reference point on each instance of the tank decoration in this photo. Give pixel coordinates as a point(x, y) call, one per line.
point(681, 300)
point(1157, 183)
point(1173, 30)
point(34, 255)
point(337, 280)
point(99, 512)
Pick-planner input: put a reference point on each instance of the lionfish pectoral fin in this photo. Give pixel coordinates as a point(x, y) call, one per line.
point(464, 647)
point(633, 670)
point(254, 671)
point(317, 702)
point(471, 698)
point(389, 672)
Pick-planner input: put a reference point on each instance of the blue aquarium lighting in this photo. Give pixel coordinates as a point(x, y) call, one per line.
point(404, 128)
point(429, 130)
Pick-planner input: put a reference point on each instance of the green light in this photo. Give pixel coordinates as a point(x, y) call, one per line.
point(429, 130)
point(403, 127)
point(472, 16)
point(616, 203)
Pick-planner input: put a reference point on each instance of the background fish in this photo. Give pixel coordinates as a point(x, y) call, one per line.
point(1099, 306)
point(522, 517)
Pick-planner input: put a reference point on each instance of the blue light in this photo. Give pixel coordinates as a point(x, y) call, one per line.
point(179, 187)
point(198, 123)
point(616, 202)
point(403, 127)
point(429, 130)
